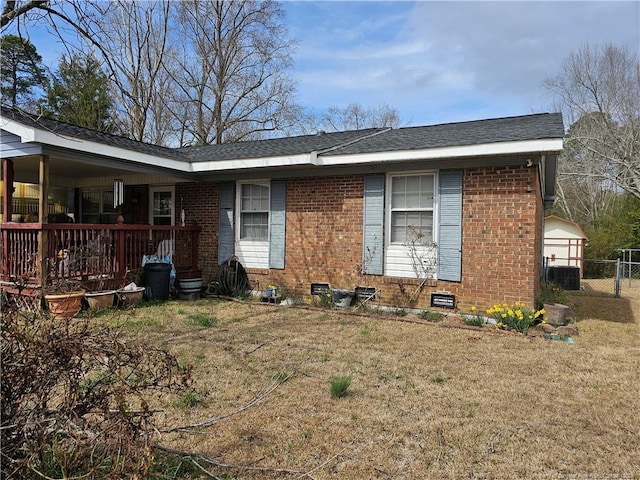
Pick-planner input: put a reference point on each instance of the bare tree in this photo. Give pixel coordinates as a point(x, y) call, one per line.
point(132, 38)
point(599, 89)
point(356, 117)
point(231, 70)
point(584, 195)
point(129, 37)
point(14, 9)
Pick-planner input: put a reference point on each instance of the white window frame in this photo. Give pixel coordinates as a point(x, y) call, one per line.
point(399, 259)
point(158, 189)
point(252, 253)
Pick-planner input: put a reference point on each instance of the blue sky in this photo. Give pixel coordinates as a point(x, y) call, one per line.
point(438, 62)
point(449, 61)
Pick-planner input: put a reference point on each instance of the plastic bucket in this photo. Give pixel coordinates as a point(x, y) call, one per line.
point(157, 277)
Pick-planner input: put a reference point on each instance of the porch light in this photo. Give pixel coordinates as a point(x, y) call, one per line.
point(118, 193)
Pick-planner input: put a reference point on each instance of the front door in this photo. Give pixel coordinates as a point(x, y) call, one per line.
point(162, 206)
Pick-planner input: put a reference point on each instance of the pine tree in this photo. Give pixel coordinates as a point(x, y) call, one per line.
point(22, 72)
point(79, 94)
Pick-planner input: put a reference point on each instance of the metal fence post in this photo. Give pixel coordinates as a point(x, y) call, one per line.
point(618, 278)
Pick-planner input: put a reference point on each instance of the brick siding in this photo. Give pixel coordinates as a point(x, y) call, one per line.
point(502, 238)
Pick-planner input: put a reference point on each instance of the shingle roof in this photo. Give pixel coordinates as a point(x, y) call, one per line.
point(528, 127)
point(509, 129)
point(69, 130)
point(276, 147)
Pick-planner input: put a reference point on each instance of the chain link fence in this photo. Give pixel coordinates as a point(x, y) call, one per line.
point(619, 278)
point(629, 277)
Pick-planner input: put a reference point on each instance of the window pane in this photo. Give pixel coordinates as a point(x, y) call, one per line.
point(398, 227)
point(415, 227)
point(107, 201)
point(254, 198)
point(426, 189)
point(254, 226)
point(91, 202)
point(413, 184)
point(161, 203)
point(398, 189)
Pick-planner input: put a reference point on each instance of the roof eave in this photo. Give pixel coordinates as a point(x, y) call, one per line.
point(45, 137)
point(549, 145)
point(252, 163)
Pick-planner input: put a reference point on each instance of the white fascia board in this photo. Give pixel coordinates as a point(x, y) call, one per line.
point(36, 135)
point(101, 149)
point(250, 163)
point(26, 134)
point(478, 150)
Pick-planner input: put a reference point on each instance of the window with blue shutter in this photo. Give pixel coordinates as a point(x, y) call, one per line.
point(225, 229)
point(277, 223)
point(372, 251)
point(450, 226)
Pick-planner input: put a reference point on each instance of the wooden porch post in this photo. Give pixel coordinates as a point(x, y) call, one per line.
point(7, 194)
point(7, 209)
point(43, 211)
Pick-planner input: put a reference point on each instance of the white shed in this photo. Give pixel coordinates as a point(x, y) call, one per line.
point(563, 242)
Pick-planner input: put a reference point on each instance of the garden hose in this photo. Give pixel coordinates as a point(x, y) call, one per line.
point(232, 278)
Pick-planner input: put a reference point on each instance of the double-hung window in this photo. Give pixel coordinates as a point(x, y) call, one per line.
point(410, 250)
point(412, 208)
point(254, 211)
point(252, 223)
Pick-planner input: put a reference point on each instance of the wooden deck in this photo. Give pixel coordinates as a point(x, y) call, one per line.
point(36, 254)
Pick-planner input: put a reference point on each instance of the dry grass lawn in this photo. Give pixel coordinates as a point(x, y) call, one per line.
point(425, 401)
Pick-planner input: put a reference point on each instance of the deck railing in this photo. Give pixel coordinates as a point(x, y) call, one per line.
point(35, 253)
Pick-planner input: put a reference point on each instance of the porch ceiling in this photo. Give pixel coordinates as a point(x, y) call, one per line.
point(27, 168)
point(76, 167)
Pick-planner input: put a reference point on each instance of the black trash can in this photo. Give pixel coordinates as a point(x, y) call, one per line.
point(157, 277)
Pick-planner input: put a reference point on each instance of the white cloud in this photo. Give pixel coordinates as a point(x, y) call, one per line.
point(430, 58)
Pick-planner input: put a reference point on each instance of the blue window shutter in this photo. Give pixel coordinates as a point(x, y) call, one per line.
point(373, 241)
point(450, 223)
point(277, 223)
point(225, 228)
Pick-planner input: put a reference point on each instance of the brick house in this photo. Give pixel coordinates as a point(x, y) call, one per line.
point(456, 207)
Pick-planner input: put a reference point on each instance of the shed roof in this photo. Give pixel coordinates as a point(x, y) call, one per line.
point(554, 218)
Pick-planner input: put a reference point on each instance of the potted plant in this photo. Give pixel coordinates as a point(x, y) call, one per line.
point(63, 297)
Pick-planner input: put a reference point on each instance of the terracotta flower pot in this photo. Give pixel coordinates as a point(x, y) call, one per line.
point(65, 305)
